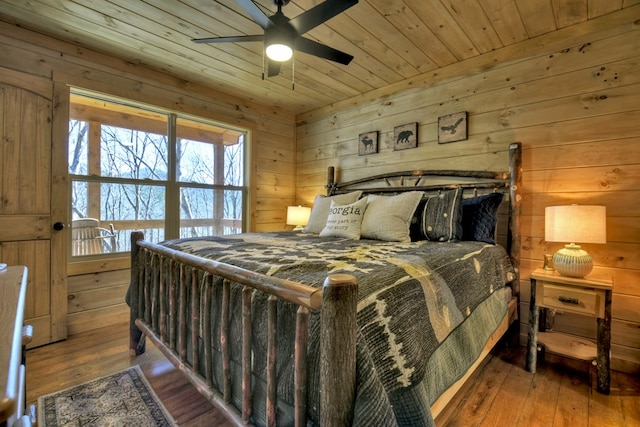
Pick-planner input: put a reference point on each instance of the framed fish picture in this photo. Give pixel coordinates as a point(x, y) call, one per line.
point(452, 128)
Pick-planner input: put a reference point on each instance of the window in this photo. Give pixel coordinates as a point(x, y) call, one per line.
point(134, 168)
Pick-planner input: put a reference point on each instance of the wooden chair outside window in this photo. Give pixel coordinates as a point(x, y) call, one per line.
point(88, 238)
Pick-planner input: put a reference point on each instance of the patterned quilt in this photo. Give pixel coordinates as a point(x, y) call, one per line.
point(425, 311)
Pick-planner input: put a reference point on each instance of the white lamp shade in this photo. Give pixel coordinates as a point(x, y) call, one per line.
point(298, 215)
point(575, 224)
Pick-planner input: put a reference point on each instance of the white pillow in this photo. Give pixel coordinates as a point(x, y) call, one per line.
point(345, 220)
point(320, 209)
point(388, 217)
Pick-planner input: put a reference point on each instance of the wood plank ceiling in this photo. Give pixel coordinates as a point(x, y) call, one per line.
point(391, 40)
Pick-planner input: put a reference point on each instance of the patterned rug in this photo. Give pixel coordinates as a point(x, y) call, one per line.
point(121, 399)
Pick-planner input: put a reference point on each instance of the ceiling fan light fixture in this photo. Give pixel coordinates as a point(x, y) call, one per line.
point(279, 52)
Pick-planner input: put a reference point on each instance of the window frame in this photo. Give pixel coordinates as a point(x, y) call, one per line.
point(171, 185)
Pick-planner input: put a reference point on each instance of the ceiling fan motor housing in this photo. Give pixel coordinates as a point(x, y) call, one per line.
point(281, 32)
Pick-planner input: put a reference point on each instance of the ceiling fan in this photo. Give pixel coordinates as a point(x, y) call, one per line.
point(283, 35)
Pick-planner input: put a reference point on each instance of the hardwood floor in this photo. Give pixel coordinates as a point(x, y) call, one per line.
point(87, 356)
point(561, 393)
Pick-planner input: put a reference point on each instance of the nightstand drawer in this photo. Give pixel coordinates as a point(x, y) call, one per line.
point(571, 299)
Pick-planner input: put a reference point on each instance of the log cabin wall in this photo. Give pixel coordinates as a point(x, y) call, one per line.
point(570, 97)
point(96, 290)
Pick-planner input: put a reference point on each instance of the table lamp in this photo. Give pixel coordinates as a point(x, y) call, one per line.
point(298, 216)
point(574, 224)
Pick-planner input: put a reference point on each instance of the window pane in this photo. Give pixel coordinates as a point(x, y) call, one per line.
point(196, 212)
point(132, 202)
point(123, 147)
point(132, 207)
point(123, 208)
point(195, 161)
point(78, 147)
point(209, 154)
point(207, 212)
point(233, 205)
point(234, 163)
point(79, 199)
point(196, 203)
point(130, 153)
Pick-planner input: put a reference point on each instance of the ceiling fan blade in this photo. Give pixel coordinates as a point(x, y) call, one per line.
point(319, 14)
point(255, 13)
point(231, 39)
point(318, 49)
point(274, 68)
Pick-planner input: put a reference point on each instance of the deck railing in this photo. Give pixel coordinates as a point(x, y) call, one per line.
point(154, 230)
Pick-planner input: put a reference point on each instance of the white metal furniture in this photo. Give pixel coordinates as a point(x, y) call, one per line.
point(88, 238)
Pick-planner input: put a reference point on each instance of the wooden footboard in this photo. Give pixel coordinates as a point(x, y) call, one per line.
point(154, 268)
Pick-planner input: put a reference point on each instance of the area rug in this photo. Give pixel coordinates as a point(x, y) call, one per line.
point(122, 399)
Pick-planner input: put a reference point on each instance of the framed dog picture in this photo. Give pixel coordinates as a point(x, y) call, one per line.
point(405, 136)
point(452, 128)
point(368, 143)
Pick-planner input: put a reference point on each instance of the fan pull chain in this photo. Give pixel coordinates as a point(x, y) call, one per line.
point(263, 61)
point(293, 73)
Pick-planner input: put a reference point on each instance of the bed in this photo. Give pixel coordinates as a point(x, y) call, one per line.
point(350, 321)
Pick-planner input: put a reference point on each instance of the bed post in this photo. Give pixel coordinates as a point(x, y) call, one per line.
point(338, 350)
point(515, 200)
point(136, 338)
point(331, 180)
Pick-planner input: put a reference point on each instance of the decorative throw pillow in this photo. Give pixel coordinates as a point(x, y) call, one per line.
point(320, 210)
point(345, 220)
point(480, 216)
point(415, 226)
point(442, 215)
point(388, 217)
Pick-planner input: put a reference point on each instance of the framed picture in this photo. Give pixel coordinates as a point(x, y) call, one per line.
point(452, 128)
point(405, 136)
point(368, 143)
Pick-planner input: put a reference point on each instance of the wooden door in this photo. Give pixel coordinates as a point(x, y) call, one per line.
point(32, 198)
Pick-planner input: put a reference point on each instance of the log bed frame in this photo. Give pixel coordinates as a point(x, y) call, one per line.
point(153, 267)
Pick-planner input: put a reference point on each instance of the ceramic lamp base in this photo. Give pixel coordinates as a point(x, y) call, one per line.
point(573, 261)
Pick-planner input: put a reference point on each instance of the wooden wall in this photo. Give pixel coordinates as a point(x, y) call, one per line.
point(570, 97)
point(96, 289)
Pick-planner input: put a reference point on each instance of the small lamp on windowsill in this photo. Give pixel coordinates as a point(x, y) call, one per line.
point(574, 224)
point(298, 216)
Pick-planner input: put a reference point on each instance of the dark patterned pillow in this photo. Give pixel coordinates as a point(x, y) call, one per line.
point(415, 227)
point(480, 216)
point(438, 217)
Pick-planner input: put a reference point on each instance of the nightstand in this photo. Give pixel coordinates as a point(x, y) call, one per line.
point(589, 296)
